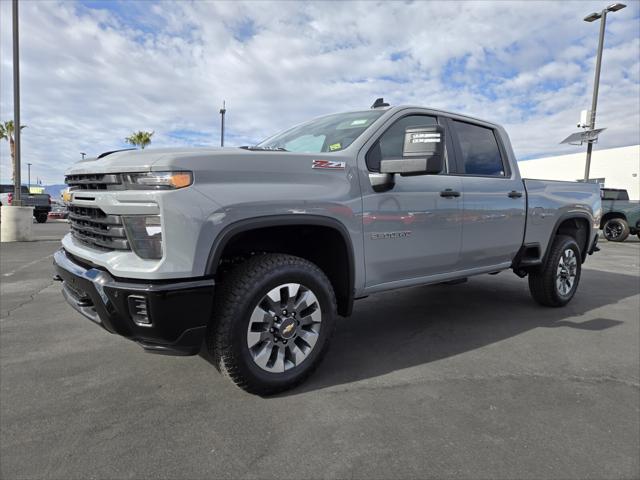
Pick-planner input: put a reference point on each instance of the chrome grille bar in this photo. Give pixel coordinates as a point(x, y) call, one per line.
point(95, 228)
point(94, 181)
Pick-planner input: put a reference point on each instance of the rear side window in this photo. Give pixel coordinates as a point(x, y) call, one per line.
point(391, 142)
point(480, 152)
point(614, 194)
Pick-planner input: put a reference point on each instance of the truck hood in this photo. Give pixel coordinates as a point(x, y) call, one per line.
point(229, 161)
point(154, 159)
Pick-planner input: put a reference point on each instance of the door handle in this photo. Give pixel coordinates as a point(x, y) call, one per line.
point(449, 193)
point(514, 194)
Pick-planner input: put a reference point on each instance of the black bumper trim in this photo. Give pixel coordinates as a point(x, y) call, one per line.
point(594, 245)
point(179, 310)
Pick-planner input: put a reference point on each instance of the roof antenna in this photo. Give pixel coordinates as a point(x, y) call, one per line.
point(379, 103)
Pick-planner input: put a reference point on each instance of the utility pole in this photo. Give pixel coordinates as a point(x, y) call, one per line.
point(223, 110)
point(29, 176)
point(596, 82)
point(17, 197)
point(83, 155)
point(17, 220)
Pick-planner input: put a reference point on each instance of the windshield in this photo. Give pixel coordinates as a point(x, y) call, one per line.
point(325, 134)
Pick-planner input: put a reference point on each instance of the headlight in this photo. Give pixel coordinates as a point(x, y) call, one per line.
point(145, 235)
point(157, 180)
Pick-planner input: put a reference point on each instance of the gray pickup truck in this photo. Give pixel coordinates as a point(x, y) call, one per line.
point(252, 252)
point(41, 202)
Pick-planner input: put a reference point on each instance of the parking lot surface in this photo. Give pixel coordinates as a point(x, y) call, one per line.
point(466, 381)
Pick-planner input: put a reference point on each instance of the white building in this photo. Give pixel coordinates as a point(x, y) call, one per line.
point(613, 167)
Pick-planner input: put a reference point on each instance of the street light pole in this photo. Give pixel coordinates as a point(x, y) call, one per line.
point(29, 176)
point(83, 155)
point(223, 110)
point(596, 82)
point(17, 197)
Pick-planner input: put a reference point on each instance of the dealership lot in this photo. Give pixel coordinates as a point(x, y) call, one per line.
point(464, 381)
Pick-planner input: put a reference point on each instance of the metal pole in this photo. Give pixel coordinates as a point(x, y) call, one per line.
point(17, 197)
point(223, 110)
point(594, 100)
point(29, 176)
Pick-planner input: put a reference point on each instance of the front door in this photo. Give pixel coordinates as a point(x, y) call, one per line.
point(413, 229)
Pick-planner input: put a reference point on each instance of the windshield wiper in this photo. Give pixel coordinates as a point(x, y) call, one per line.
point(264, 149)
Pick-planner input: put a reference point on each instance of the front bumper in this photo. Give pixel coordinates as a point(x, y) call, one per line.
point(179, 310)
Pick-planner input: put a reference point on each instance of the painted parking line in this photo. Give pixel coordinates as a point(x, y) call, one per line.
point(26, 265)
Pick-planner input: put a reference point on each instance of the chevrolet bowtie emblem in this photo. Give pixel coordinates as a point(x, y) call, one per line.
point(288, 328)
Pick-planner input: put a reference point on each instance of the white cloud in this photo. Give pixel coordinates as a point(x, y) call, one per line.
point(91, 76)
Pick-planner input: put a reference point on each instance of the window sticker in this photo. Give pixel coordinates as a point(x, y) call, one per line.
point(359, 122)
point(335, 146)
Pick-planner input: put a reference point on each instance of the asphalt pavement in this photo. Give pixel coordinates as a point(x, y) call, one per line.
point(449, 381)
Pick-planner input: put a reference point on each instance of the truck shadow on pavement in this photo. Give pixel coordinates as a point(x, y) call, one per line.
point(397, 330)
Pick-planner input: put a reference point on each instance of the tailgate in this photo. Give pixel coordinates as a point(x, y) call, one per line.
point(36, 200)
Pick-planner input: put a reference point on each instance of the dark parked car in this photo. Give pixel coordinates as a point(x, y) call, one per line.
point(59, 211)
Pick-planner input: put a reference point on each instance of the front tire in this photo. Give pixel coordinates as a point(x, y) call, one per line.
point(555, 282)
point(616, 230)
point(273, 318)
point(41, 217)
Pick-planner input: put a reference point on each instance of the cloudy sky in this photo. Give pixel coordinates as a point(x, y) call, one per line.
point(94, 71)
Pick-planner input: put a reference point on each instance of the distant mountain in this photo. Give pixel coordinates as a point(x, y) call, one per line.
point(54, 190)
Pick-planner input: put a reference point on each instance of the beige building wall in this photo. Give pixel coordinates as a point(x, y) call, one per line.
point(620, 168)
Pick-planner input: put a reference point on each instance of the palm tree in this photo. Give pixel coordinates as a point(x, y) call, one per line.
point(140, 138)
point(6, 133)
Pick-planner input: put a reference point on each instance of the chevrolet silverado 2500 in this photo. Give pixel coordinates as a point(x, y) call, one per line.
point(252, 252)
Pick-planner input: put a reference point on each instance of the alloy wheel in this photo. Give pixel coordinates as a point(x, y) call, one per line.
point(284, 327)
point(613, 230)
point(566, 272)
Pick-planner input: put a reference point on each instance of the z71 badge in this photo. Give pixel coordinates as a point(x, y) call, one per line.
point(328, 164)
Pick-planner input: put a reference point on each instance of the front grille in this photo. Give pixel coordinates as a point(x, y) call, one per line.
point(94, 182)
point(95, 228)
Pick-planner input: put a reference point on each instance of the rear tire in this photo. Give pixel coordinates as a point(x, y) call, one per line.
point(274, 315)
point(555, 282)
point(616, 230)
point(41, 217)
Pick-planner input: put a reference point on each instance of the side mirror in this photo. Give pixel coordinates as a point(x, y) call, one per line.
point(423, 152)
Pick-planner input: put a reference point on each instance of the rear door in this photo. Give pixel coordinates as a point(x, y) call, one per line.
point(410, 230)
point(494, 200)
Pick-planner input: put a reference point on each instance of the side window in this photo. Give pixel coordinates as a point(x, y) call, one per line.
point(390, 144)
point(480, 152)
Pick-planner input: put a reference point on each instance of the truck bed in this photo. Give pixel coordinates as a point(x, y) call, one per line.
point(551, 201)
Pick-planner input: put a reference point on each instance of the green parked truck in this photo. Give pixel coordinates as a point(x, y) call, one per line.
point(620, 216)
